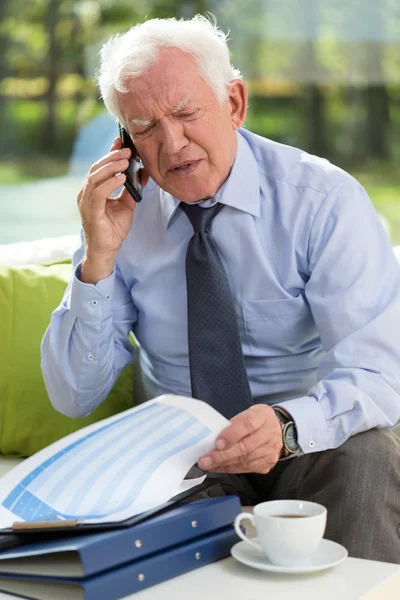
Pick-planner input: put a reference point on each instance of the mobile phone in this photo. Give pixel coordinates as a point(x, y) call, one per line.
point(132, 180)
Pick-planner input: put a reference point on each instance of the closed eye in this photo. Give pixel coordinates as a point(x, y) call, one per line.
point(143, 133)
point(182, 116)
point(188, 115)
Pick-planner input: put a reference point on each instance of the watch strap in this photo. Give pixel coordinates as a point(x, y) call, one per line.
point(284, 420)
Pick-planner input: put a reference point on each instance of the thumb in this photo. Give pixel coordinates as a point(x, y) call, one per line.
point(125, 198)
point(116, 145)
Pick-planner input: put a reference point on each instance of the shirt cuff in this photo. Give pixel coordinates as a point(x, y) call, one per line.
point(307, 414)
point(88, 301)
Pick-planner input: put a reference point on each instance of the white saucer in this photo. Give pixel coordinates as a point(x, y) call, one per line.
point(329, 554)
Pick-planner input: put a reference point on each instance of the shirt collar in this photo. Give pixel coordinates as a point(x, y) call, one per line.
point(241, 190)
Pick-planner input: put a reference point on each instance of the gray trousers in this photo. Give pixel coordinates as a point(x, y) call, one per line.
point(359, 483)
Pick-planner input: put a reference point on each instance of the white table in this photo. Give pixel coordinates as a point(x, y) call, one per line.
point(229, 579)
point(354, 579)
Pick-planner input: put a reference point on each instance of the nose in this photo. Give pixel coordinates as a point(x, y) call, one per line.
point(171, 136)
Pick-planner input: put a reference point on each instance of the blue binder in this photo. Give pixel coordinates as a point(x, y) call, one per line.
point(129, 578)
point(79, 556)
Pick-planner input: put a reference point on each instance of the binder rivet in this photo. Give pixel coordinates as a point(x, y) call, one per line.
point(138, 543)
point(141, 577)
point(194, 523)
point(197, 556)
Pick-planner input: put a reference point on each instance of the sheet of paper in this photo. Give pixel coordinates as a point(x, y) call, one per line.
point(114, 469)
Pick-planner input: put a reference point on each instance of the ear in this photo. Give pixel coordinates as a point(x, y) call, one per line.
point(238, 103)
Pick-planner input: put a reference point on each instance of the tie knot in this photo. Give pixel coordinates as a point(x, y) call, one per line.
point(200, 218)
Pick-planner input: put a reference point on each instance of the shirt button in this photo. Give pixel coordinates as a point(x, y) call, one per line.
point(107, 297)
point(312, 444)
point(94, 302)
point(90, 356)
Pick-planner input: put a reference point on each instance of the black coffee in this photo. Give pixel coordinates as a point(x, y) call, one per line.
point(289, 516)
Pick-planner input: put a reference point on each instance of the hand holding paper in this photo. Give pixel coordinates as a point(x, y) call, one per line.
point(114, 469)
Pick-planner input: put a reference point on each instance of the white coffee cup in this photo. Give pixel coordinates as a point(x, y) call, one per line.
point(288, 531)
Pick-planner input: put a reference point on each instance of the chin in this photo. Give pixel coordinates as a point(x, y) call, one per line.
point(189, 189)
point(192, 193)
point(192, 197)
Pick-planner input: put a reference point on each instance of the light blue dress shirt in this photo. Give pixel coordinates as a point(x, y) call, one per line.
point(315, 284)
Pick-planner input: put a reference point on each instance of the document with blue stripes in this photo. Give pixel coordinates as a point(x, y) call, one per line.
point(114, 469)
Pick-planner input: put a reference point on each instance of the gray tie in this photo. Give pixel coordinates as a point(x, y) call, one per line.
point(217, 370)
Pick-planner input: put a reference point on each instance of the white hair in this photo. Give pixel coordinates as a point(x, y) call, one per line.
point(127, 56)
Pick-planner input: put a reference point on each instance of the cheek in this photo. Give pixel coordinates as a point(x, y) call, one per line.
point(219, 149)
point(212, 139)
point(221, 136)
point(148, 154)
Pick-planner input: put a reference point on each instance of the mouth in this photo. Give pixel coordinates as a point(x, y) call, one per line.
point(185, 168)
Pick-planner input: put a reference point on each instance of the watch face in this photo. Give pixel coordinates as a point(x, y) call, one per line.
point(290, 437)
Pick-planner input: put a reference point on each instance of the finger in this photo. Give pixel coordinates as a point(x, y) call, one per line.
point(98, 199)
point(238, 469)
point(117, 143)
point(95, 180)
point(244, 424)
point(262, 466)
point(243, 447)
point(106, 171)
point(265, 452)
point(125, 198)
point(116, 154)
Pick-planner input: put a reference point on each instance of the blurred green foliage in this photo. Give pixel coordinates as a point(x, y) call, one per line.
point(47, 89)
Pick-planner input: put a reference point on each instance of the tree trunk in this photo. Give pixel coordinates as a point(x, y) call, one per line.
point(4, 43)
point(378, 121)
point(311, 69)
point(50, 125)
point(376, 96)
point(201, 6)
point(316, 121)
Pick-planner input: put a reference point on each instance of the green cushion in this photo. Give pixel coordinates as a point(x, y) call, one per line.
point(28, 421)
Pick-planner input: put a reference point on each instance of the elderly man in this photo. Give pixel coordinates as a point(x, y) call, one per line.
point(255, 277)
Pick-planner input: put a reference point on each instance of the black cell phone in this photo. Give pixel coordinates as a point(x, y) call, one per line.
point(132, 180)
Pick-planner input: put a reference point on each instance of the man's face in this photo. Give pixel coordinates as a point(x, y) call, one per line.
point(185, 138)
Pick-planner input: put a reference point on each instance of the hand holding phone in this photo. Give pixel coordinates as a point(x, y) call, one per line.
point(132, 181)
point(106, 219)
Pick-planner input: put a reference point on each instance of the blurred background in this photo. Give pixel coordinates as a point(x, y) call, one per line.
point(323, 75)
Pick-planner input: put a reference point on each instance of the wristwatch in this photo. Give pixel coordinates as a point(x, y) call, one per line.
point(289, 434)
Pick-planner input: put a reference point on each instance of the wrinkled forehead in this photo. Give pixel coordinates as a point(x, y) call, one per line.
point(169, 85)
